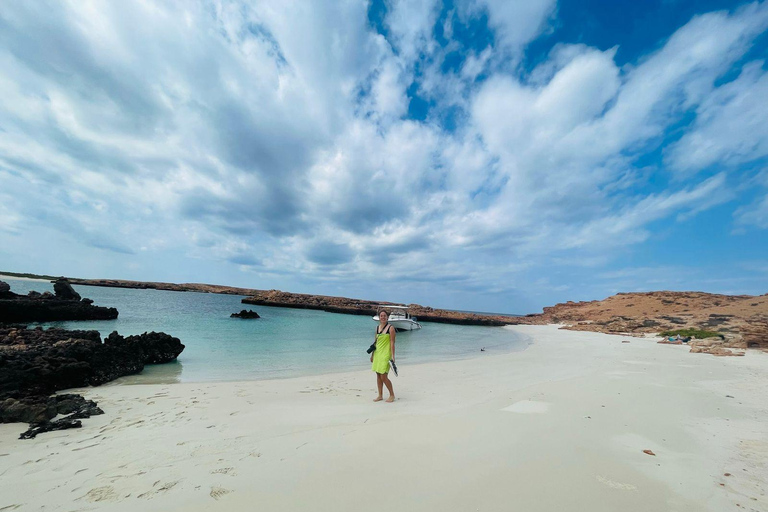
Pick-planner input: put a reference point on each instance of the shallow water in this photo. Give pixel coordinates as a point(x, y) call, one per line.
point(282, 343)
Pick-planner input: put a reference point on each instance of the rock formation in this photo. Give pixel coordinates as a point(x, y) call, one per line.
point(741, 320)
point(249, 313)
point(173, 287)
point(345, 305)
point(34, 363)
point(64, 290)
point(46, 307)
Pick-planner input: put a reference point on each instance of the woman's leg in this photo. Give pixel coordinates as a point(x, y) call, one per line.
point(388, 383)
point(380, 385)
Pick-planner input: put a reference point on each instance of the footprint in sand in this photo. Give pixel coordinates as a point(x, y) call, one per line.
point(224, 471)
point(105, 493)
point(219, 492)
point(252, 454)
point(163, 488)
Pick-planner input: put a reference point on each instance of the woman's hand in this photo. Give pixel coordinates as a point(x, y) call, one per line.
point(371, 357)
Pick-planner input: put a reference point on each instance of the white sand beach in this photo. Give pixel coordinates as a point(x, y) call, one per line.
point(4, 277)
point(560, 426)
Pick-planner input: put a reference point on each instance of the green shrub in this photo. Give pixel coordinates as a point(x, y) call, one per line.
point(693, 333)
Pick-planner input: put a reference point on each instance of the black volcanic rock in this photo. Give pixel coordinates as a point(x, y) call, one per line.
point(35, 363)
point(64, 290)
point(46, 307)
point(50, 426)
point(245, 314)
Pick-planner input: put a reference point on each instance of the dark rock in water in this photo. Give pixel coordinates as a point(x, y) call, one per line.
point(4, 287)
point(50, 426)
point(64, 290)
point(45, 307)
point(87, 300)
point(245, 314)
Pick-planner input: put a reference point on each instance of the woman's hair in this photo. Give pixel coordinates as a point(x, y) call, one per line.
point(383, 311)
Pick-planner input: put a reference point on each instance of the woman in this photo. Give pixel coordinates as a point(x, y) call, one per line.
point(385, 350)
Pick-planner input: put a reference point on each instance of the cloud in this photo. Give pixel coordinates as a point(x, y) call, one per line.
point(329, 253)
point(754, 213)
point(281, 137)
point(730, 127)
point(517, 22)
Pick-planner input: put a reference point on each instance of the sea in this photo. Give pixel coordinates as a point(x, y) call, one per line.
point(282, 343)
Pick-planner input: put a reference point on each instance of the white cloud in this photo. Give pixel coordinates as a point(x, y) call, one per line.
point(275, 137)
point(517, 22)
point(730, 126)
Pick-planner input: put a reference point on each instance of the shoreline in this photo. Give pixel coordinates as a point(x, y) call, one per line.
point(329, 304)
point(558, 426)
point(521, 344)
point(7, 276)
point(738, 321)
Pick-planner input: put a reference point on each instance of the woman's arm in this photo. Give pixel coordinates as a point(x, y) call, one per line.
point(392, 334)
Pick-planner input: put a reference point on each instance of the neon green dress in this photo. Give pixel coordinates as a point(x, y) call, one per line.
point(383, 352)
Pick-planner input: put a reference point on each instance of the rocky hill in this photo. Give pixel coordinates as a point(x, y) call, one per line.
point(742, 320)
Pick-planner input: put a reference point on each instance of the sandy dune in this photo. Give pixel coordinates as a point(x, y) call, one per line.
point(561, 426)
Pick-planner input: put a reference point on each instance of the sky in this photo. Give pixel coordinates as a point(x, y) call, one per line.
point(485, 155)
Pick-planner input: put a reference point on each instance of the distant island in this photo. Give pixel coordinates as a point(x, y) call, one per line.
point(717, 323)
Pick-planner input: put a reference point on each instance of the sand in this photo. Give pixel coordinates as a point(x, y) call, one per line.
point(560, 426)
point(5, 276)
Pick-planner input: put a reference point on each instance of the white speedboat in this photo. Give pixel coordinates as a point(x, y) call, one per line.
point(400, 318)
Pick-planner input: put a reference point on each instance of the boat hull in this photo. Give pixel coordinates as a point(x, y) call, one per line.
point(402, 324)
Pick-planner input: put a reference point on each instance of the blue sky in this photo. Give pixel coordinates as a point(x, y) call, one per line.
point(492, 155)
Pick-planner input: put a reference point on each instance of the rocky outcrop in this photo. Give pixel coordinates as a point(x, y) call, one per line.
point(64, 290)
point(73, 407)
point(740, 320)
point(277, 298)
point(249, 313)
point(66, 304)
point(39, 409)
point(755, 332)
point(34, 363)
point(173, 287)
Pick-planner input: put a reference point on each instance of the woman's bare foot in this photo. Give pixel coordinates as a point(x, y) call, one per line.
point(378, 399)
point(391, 399)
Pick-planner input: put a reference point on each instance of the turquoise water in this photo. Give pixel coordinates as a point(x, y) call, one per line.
point(282, 343)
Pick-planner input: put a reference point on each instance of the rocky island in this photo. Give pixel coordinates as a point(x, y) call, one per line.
point(64, 304)
point(173, 287)
point(245, 314)
point(278, 298)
